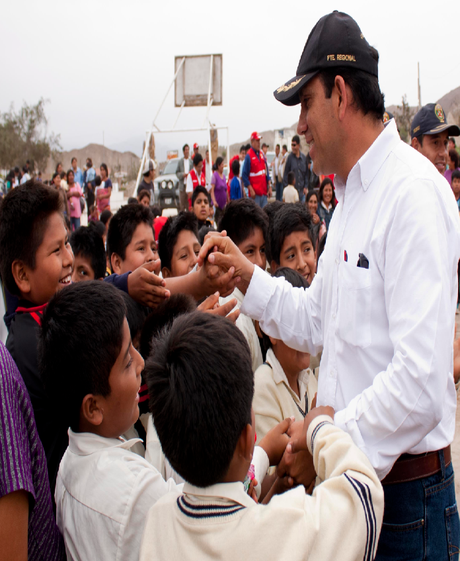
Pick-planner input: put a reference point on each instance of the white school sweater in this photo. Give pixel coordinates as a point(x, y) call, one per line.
point(341, 520)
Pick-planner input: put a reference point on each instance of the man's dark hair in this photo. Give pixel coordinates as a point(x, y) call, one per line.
point(239, 219)
point(290, 218)
point(455, 174)
point(170, 232)
point(453, 155)
point(184, 147)
point(277, 146)
point(143, 193)
point(197, 158)
point(296, 139)
point(236, 167)
point(24, 216)
point(297, 281)
point(291, 178)
point(96, 306)
point(87, 242)
point(201, 387)
point(200, 191)
point(162, 318)
point(105, 216)
point(123, 225)
point(242, 148)
point(285, 147)
point(247, 147)
point(98, 227)
point(365, 88)
point(89, 162)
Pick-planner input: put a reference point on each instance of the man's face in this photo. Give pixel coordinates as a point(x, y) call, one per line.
point(433, 147)
point(74, 163)
point(295, 148)
point(242, 155)
point(277, 150)
point(186, 152)
point(317, 123)
point(255, 144)
point(265, 149)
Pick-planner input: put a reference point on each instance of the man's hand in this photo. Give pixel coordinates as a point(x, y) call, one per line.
point(211, 306)
point(270, 192)
point(275, 441)
point(220, 251)
point(146, 287)
point(251, 192)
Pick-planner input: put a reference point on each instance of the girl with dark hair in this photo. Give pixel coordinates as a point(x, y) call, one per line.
point(219, 189)
point(74, 195)
point(452, 162)
point(326, 204)
point(104, 192)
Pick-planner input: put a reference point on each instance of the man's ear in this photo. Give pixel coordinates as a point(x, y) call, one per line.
point(116, 262)
point(91, 410)
point(343, 96)
point(20, 275)
point(166, 273)
point(245, 444)
point(415, 143)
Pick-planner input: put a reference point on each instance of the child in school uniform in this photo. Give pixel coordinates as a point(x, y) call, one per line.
point(214, 518)
point(103, 489)
point(178, 245)
point(89, 254)
point(290, 193)
point(284, 386)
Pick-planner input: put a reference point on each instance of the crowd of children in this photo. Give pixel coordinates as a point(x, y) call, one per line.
point(131, 402)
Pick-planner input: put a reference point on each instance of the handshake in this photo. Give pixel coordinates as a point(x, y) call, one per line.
point(286, 448)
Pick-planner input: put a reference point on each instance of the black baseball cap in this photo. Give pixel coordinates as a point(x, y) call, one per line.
point(431, 119)
point(335, 41)
point(387, 116)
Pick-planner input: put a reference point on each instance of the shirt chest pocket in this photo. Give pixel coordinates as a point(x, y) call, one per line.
point(354, 305)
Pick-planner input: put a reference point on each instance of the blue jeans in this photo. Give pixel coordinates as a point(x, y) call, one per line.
point(420, 521)
point(279, 190)
point(74, 222)
point(302, 196)
point(261, 200)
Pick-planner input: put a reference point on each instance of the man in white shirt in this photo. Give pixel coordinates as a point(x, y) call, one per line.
point(183, 168)
point(383, 301)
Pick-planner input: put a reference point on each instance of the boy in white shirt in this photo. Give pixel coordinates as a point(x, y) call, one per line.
point(93, 373)
point(201, 388)
point(290, 193)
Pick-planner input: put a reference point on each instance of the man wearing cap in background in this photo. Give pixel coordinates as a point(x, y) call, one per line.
point(147, 182)
point(382, 304)
point(255, 172)
point(183, 168)
point(429, 133)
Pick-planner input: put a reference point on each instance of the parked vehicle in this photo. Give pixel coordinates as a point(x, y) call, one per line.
point(166, 186)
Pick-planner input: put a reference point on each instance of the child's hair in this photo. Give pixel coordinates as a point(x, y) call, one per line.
point(97, 181)
point(170, 232)
point(453, 155)
point(123, 225)
point(200, 191)
point(239, 219)
point(236, 167)
point(162, 318)
point(327, 181)
point(272, 208)
point(155, 210)
point(455, 174)
point(98, 227)
point(203, 231)
point(67, 223)
point(63, 175)
point(132, 201)
point(24, 215)
point(87, 242)
point(142, 194)
point(135, 314)
point(201, 386)
point(291, 178)
point(106, 215)
point(297, 281)
point(104, 167)
point(289, 219)
point(73, 363)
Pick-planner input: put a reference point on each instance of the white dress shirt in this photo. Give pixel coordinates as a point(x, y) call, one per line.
point(387, 330)
point(103, 494)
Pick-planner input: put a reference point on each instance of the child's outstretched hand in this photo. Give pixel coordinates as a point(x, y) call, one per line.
point(146, 287)
point(211, 306)
point(275, 441)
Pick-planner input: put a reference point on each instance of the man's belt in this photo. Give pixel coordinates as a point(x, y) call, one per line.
point(410, 467)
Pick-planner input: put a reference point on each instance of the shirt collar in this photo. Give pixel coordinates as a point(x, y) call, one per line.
point(86, 443)
point(366, 168)
point(278, 373)
point(228, 491)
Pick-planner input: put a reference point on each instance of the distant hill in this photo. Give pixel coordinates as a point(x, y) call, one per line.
point(116, 161)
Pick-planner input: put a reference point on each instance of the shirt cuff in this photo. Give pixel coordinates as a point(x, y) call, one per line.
point(258, 294)
point(315, 427)
point(261, 464)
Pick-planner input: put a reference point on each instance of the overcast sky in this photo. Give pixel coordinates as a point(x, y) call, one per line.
point(105, 65)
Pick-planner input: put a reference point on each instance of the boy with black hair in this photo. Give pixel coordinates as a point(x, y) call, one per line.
point(178, 245)
point(284, 386)
point(247, 225)
point(236, 190)
point(36, 261)
point(89, 254)
point(290, 193)
point(292, 241)
point(200, 205)
point(103, 490)
point(214, 518)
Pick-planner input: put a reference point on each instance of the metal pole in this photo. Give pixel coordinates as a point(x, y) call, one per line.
point(209, 91)
point(169, 89)
point(180, 111)
point(147, 142)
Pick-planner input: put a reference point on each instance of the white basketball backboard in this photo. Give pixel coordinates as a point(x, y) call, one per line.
point(192, 82)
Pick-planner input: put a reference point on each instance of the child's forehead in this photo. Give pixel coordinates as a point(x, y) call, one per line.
point(186, 237)
point(143, 229)
point(301, 236)
point(53, 227)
